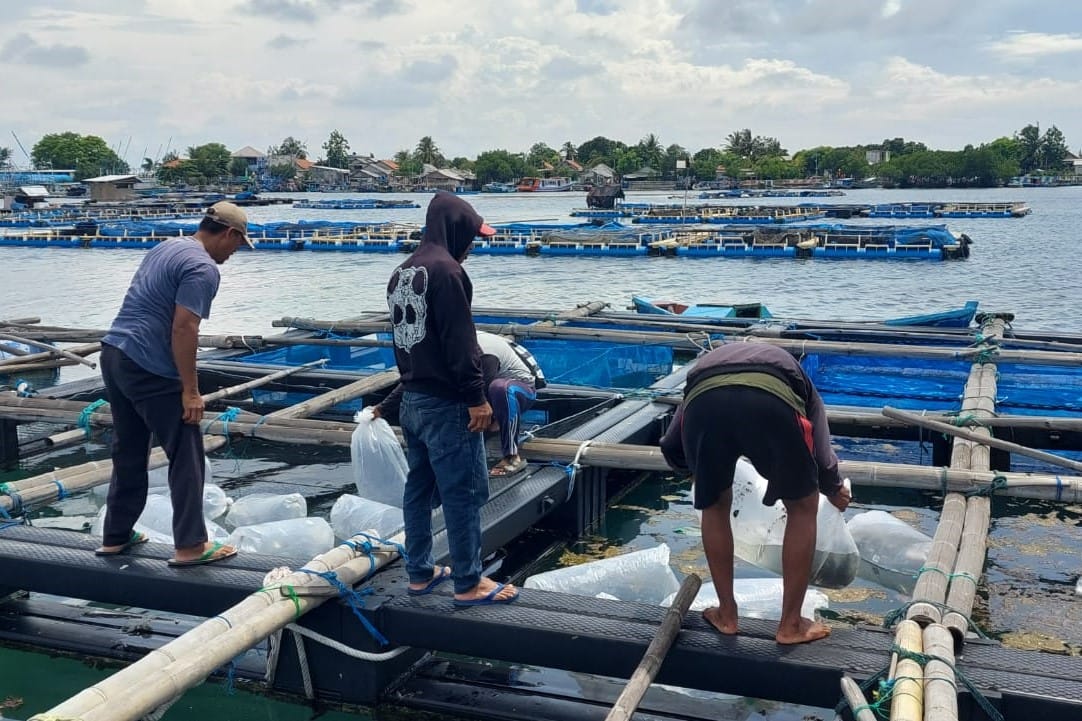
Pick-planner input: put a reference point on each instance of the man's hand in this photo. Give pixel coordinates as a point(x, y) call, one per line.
point(480, 417)
point(193, 406)
point(841, 498)
point(377, 412)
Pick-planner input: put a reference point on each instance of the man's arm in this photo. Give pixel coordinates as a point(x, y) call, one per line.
point(185, 338)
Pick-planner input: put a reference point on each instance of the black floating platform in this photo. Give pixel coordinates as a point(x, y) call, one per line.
point(606, 637)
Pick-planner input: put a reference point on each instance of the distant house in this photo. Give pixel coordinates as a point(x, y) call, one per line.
point(108, 188)
point(368, 173)
point(644, 178)
point(446, 178)
point(1074, 162)
point(875, 157)
point(254, 158)
point(324, 177)
point(600, 174)
point(27, 197)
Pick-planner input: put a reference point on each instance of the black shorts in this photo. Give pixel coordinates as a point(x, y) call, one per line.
point(725, 423)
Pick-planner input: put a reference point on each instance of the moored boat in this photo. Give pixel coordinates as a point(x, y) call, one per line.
point(543, 185)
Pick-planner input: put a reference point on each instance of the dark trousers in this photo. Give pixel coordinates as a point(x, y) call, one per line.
point(143, 403)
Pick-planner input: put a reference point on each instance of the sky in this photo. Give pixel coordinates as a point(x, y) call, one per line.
point(156, 75)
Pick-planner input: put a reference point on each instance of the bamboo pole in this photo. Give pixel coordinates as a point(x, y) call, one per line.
point(940, 687)
point(261, 381)
point(681, 341)
point(366, 385)
point(907, 697)
point(659, 646)
point(930, 590)
point(858, 705)
point(77, 351)
point(13, 350)
point(968, 568)
point(20, 368)
point(51, 348)
point(981, 438)
point(167, 672)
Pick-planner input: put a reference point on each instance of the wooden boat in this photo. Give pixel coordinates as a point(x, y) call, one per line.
point(953, 318)
point(543, 185)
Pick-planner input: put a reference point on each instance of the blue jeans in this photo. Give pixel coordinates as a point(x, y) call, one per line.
point(447, 459)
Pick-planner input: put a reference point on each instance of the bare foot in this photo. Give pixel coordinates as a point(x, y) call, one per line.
point(806, 632)
point(724, 623)
point(486, 587)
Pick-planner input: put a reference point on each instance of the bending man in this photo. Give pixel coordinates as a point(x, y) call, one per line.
point(754, 400)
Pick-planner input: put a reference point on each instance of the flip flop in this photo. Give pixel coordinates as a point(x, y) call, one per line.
point(445, 573)
point(135, 539)
point(209, 556)
point(501, 470)
point(489, 599)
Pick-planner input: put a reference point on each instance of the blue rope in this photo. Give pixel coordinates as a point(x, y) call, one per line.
point(354, 599)
point(84, 416)
point(61, 492)
point(571, 470)
point(370, 539)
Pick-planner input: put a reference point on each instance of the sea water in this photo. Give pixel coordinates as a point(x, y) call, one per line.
point(1026, 266)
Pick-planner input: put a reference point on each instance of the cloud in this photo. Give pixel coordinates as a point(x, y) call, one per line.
point(26, 50)
point(1032, 45)
point(429, 71)
point(564, 68)
point(284, 42)
point(309, 11)
point(596, 7)
point(295, 10)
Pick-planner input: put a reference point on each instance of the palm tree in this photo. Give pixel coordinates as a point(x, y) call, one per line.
point(427, 152)
point(5, 157)
point(651, 151)
point(569, 151)
point(740, 142)
point(148, 165)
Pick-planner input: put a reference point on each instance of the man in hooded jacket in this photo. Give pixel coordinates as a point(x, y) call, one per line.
point(443, 409)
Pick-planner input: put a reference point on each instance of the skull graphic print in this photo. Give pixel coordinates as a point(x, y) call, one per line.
point(409, 309)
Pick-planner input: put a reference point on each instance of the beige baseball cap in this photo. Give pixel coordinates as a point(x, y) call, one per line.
point(231, 216)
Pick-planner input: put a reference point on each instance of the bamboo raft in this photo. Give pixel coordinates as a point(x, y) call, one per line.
point(942, 602)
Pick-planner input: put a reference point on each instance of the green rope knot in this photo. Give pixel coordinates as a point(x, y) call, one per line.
point(86, 413)
point(999, 482)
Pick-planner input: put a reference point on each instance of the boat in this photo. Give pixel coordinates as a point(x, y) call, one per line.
point(954, 318)
point(700, 310)
point(543, 185)
point(498, 187)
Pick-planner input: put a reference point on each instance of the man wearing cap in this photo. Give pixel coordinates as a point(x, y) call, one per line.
point(444, 409)
point(148, 365)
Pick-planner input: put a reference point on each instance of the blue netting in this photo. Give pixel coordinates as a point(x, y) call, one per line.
point(344, 358)
point(284, 399)
point(1038, 390)
point(599, 364)
point(875, 382)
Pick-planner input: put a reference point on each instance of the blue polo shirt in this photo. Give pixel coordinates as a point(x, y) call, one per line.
point(176, 272)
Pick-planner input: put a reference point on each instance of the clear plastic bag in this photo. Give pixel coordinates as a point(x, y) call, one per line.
point(265, 507)
point(352, 514)
point(157, 482)
point(156, 521)
point(756, 598)
point(379, 465)
point(758, 531)
point(891, 551)
point(643, 576)
point(300, 538)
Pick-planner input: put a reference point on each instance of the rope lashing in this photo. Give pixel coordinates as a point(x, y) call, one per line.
point(86, 413)
point(354, 599)
point(572, 468)
point(897, 614)
point(998, 483)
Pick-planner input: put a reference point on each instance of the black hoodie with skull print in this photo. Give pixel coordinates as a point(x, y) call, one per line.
point(429, 296)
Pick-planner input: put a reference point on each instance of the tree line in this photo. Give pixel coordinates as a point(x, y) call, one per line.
point(741, 155)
